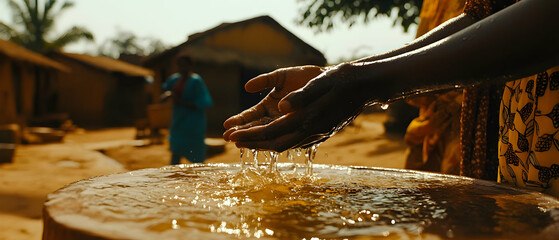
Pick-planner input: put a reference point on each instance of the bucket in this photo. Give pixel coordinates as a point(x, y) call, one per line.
point(222, 201)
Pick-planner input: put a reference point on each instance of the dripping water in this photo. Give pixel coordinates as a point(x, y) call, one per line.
point(242, 164)
point(310, 154)
point(273, 161)
point(255, 157)
point(271, 158)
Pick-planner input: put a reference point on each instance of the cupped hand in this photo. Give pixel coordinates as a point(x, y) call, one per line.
point(309, 115)
point(283, 81)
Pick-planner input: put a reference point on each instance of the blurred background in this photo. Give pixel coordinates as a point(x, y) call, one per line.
point(95, 64)
point(80, 82)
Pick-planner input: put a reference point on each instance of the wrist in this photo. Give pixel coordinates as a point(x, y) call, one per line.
point(374, 81)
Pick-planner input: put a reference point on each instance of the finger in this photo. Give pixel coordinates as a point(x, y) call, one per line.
point(279, 144)
point(244, 117)
point(263, 81)
point(227, 133)
point(258, 122)
point(268, 131)
point(278, 135)
point(233, 121)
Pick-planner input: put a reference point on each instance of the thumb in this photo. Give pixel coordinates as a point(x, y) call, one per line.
point(303, 97)
point(258, 83)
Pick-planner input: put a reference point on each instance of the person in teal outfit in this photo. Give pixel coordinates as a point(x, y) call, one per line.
point(188, 124)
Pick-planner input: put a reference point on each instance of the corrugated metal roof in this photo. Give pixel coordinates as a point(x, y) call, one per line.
point(19, 53)
point(109, 64)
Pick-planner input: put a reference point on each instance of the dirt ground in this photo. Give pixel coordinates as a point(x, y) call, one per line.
point(38, 170)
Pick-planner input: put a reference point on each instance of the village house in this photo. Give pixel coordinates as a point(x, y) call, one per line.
point(28, 83)
point(229, 55)
point(101, 92)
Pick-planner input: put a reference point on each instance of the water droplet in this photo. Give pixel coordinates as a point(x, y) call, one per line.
point(269, 231)
point(175, 225)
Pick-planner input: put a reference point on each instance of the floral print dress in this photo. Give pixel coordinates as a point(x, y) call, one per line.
point(528, 139)
point(529, 126)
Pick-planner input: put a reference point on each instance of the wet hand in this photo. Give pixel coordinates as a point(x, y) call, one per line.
point(283, 81)
point(308, 115)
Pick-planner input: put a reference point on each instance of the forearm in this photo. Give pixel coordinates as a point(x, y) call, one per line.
point(515, 42)
point(442, 31)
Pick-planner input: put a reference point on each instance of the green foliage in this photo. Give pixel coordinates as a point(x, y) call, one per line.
point(127, 43)
point(321, 15)
point(32, 24)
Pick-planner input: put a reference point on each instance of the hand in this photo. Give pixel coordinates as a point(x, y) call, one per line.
point(283, 81)
point(307, 116)
point(165, 96)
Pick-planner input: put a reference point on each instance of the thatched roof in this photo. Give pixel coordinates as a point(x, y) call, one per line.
point(217, 55)
point(107, 64)
point(19, 53)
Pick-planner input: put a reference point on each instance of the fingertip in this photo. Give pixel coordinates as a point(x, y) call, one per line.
point(232, 121)
point(227, 133)
point(257, 84)
point(233, 136)
point(284, 106)
point(252, 87)
point(227, 124)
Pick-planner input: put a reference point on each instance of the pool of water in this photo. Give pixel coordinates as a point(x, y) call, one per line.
point(218, 201)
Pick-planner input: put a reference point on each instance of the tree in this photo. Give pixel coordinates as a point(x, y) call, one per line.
point(321, 14)
point(123, 43)
point(127, 43)
point(33, 23)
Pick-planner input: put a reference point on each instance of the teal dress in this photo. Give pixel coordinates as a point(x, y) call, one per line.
point(188, 125)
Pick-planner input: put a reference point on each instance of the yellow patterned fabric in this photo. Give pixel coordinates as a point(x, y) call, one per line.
point(528, 139)
point(433, 137)
point(529, 126)
point(435, 12)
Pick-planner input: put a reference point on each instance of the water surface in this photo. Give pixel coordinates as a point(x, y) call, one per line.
point(226, 202)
